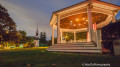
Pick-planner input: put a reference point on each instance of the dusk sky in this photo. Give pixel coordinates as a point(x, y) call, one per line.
point(28, 14)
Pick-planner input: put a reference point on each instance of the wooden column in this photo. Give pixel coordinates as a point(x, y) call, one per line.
point(74, 36)
point(61, 36)
point(58, 28)
point(113, 17)
point(90, 28)
point(100, 40)
point(53, 35)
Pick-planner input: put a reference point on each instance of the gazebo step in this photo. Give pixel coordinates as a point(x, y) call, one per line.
point(77, 51)
point(72, 45)
point(73, 48)
point(79, 43)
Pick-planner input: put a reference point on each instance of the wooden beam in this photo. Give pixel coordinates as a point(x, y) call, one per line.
point(84, 10)
point(107, 4)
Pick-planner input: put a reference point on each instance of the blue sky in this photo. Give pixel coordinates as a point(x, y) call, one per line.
point(28, 14)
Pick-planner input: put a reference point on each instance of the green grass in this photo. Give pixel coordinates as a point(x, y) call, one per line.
point(41, 58)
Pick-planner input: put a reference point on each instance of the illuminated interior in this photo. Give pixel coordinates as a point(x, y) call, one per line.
point(81, 21)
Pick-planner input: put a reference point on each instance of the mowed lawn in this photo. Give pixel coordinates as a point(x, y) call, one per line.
point(38, 57)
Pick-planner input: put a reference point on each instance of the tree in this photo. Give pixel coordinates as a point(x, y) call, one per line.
point(81, 35)
point(43, 38)
point(30, 39)
point(7, 27)
point(23, 37)
point(70, 36)
point(110, 33)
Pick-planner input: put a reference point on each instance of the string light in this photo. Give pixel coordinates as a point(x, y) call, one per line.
point(83, 18)
point(76, 19)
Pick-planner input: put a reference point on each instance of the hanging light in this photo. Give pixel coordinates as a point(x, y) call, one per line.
point(76, 19)
point(83, 18)
point(79, 24)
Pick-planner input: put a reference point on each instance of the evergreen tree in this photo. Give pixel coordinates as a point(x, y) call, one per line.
point(43, 38)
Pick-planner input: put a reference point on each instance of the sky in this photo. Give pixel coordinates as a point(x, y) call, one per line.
point(28, 14)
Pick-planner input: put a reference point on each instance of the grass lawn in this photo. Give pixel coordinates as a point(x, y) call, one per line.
point(38, 57)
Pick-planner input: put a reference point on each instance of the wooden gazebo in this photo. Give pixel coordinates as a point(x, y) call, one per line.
point(89, 16)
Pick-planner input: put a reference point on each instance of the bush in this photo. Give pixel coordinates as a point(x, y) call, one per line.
point(28, 45)
point(1, 46)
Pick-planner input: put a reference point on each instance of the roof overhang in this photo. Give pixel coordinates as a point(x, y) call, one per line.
point(83, 5)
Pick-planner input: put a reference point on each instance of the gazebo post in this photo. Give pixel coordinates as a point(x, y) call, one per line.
point(74, 36)
point(52, 34)
point(90, 28)
point(113, 17)
point(100, 40)
point(61, 35)
point(58, 28)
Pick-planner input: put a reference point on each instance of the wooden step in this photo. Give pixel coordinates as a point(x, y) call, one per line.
point(80, 43)
point(72, 45)
point(73, 48)
point(77, 51)
point(87, 47)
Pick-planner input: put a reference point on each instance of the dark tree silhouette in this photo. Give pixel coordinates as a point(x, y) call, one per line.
point(7, 27)
point(110, 33)
point(23, 38)
point(43, 37)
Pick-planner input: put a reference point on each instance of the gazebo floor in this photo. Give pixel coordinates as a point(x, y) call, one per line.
point(79, 48)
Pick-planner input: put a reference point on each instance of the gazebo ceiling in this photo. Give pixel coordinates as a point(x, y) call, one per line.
point(81, 20)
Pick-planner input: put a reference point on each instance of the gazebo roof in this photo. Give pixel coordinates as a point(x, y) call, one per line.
point(96, 3)
point(99, 6)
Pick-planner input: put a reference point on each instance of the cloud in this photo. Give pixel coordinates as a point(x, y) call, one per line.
point(29, 14)
point(27, 19)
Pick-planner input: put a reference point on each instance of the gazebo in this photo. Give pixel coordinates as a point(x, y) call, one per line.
point(88, 16)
